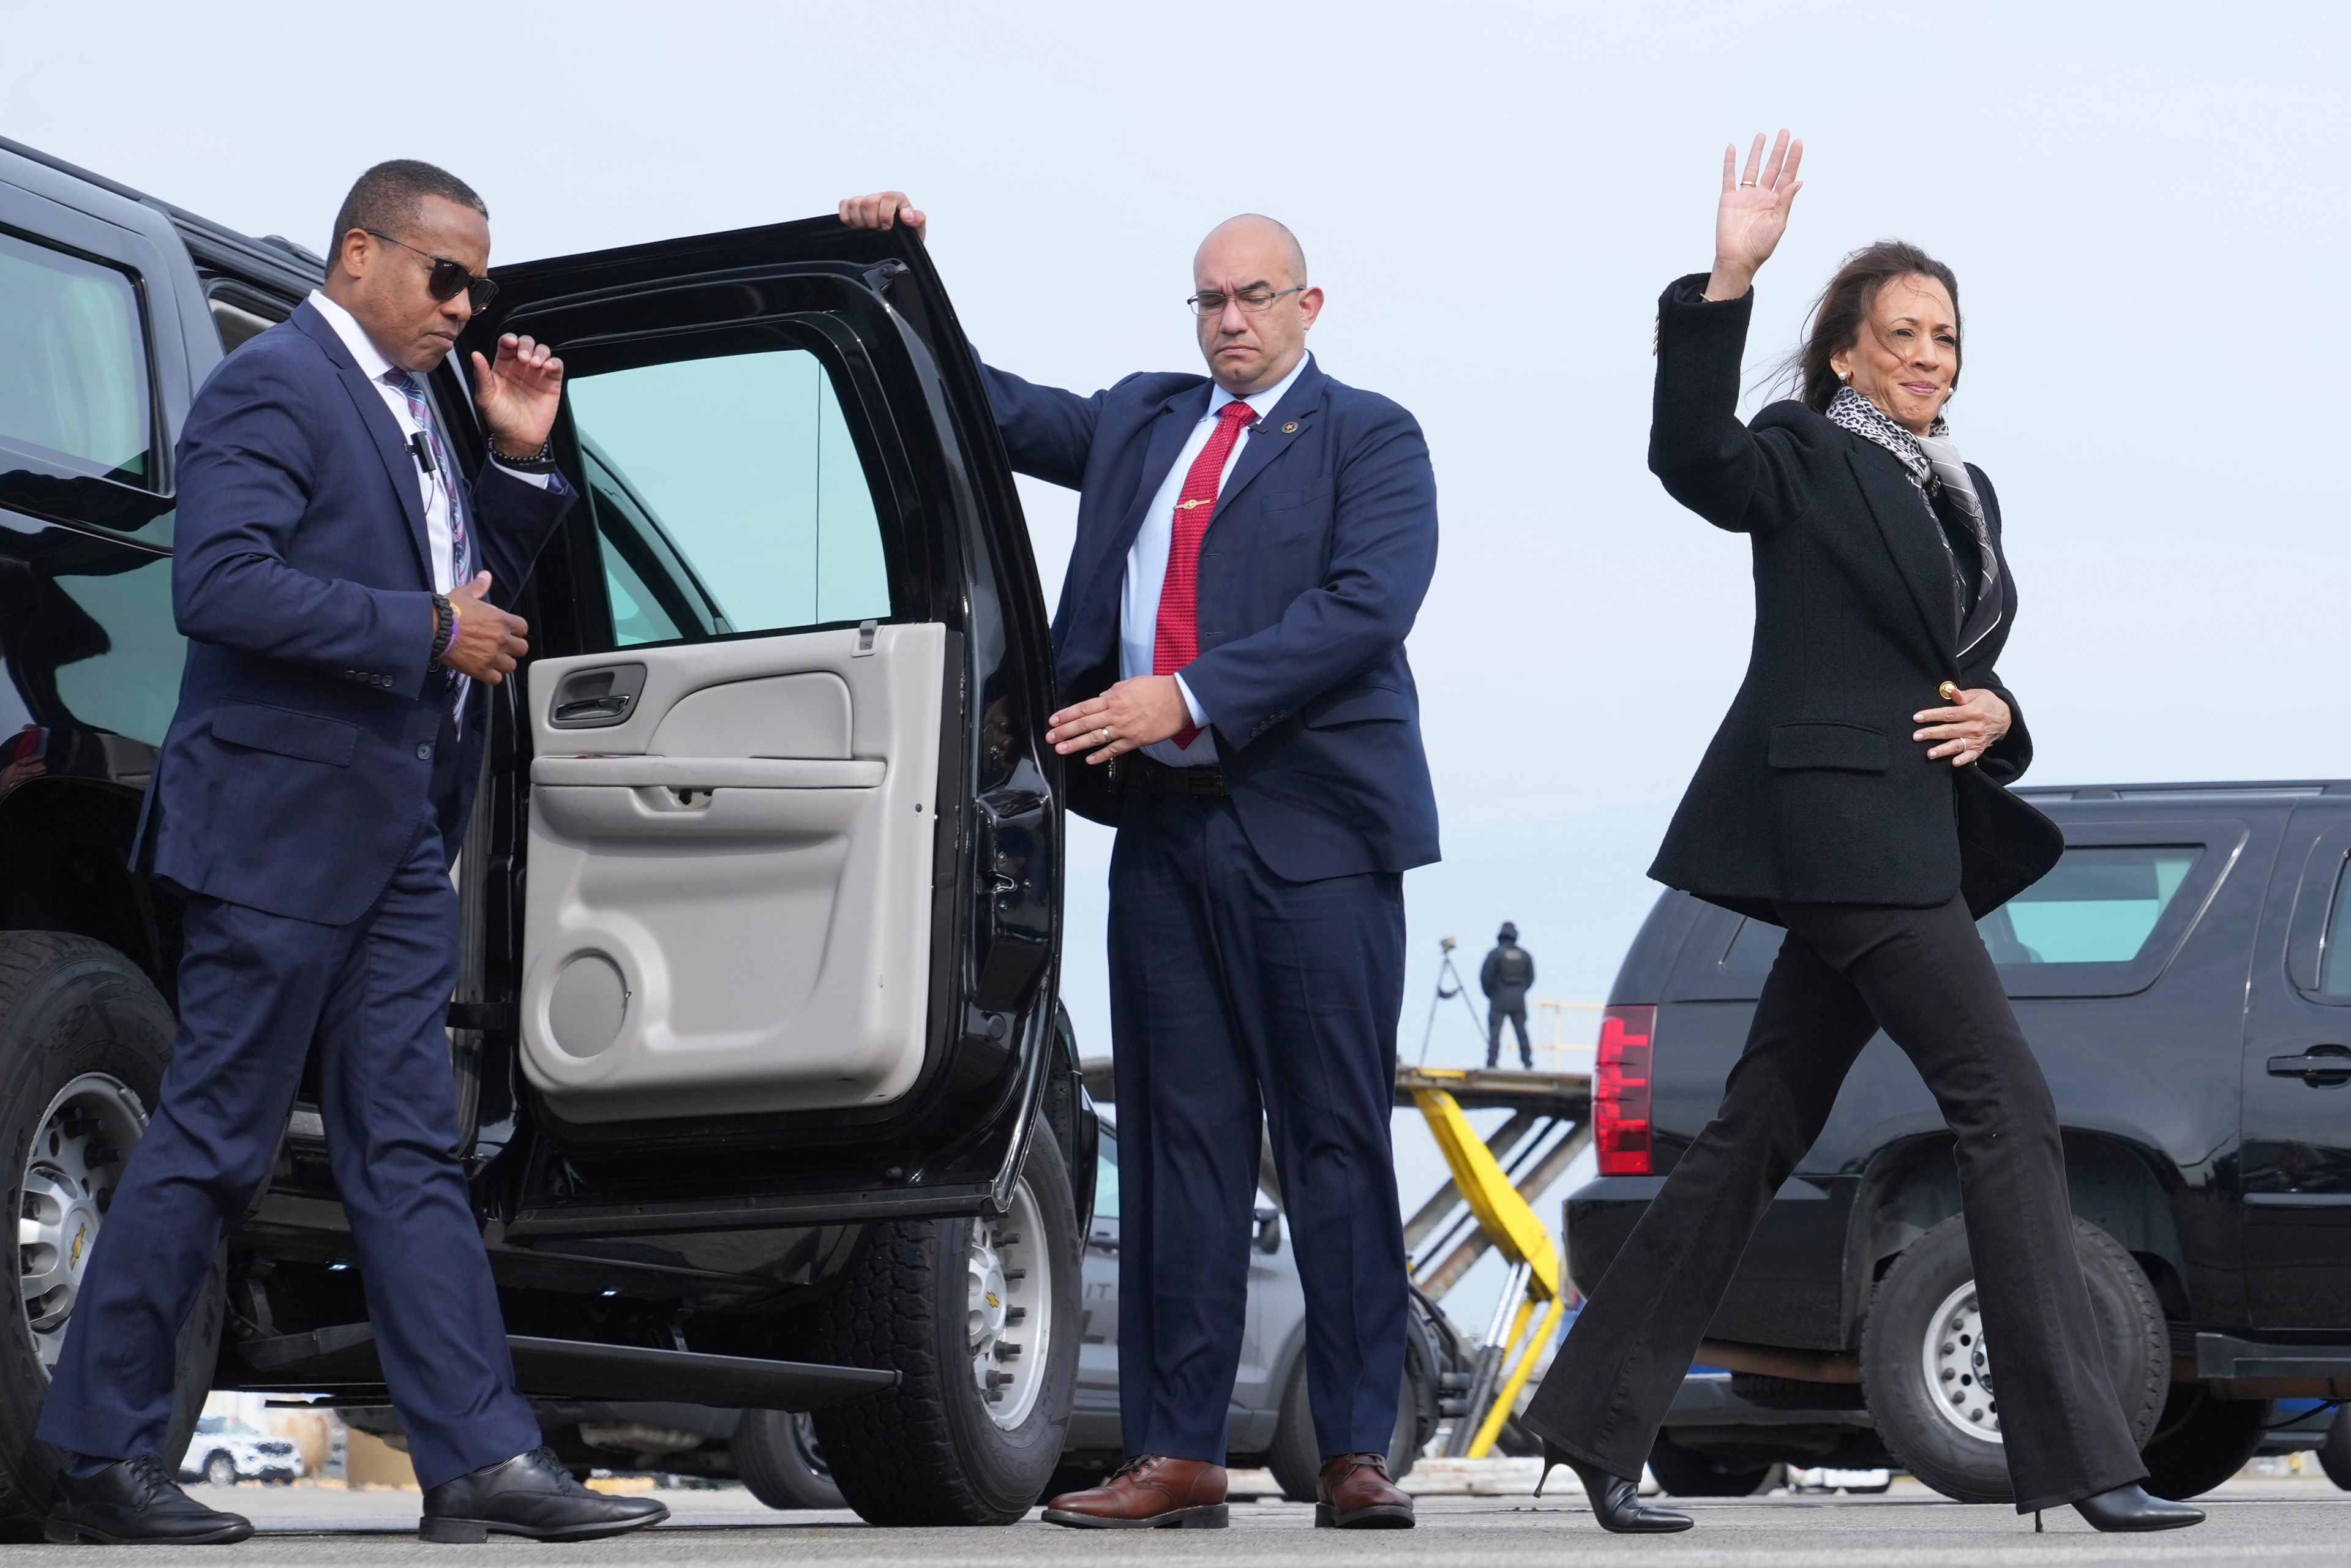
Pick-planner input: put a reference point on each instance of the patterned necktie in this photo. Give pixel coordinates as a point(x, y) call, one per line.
point(461, 554)
point(1176, 641)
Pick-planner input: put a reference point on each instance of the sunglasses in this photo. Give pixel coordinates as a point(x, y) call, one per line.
point(447, 276)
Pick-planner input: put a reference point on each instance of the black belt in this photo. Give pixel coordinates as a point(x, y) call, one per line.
point(1140, 775)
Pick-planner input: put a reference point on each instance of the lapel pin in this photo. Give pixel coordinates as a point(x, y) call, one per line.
point(1290, 428)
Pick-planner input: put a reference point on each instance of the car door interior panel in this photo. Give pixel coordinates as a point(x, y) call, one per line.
point(728, 909)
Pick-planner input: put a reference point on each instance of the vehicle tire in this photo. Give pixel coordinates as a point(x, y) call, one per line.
point(2335, 1454)
point(220, 1471)
point(2202, 1441)
point(939, 1300)
point(1682, 1472)
point(1295, 1455)
point(1911, 1353)
point(777, 1456)
point(83, 1040)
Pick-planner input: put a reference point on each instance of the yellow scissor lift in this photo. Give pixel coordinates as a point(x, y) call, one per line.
point(1486, 1207)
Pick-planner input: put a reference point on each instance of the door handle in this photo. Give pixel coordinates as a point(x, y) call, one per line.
point(2320, 1067)
point(593, 708)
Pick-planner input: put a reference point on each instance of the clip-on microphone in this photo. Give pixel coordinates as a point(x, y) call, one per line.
point(422, 450)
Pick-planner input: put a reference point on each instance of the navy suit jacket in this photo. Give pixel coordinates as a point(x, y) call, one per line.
point(1311, 571)
point(309, 739)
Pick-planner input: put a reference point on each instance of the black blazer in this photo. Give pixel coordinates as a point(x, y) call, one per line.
point(1812, 791)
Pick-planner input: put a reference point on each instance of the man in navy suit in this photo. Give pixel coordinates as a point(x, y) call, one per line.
point(1252, 546)
point(340, 584)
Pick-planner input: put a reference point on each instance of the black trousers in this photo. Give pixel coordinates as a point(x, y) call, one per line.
point(1495, 1013)
point(1843, 972)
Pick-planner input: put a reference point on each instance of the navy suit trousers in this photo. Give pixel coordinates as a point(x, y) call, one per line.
point(1234, 994)
point(256, 992)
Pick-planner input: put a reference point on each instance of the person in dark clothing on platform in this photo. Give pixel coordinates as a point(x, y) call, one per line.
point(1854, 795)
point(1504, 977)
point(1252, 546)
point(343, 588)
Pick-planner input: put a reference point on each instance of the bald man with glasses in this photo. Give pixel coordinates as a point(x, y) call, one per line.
point(1252, 546)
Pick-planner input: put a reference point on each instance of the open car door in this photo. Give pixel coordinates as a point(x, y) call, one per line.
point(791, 842)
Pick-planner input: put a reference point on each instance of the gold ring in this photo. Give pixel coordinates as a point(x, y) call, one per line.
point(1745, 185)
point(1948, 691)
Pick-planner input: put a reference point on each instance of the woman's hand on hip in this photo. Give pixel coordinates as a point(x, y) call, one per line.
point(1964, 732)
point(1131, 715)
point(1752, 213)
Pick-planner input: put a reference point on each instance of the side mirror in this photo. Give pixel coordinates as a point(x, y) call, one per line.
point(1268, 1229)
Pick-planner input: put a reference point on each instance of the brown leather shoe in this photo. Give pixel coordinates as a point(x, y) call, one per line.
point(1147, 1493)
point(1356, 1494)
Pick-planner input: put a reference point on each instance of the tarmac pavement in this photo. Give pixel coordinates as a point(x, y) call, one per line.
point(2289, 1521)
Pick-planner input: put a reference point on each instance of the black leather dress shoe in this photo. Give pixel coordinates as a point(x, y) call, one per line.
point(2131, 1508)
point(530, 1495)
point(134, 1501)
point(1615, 1502)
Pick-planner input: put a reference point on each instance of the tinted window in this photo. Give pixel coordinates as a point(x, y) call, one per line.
point(2099, 906)
point(73, 364)
point(88, 656)
point(2335, 955)
point(1753, 948)
point(728, 496)
point(1106, 1179)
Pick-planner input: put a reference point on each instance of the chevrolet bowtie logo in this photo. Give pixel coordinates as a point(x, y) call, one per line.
point(80, 1236)
point(1187, 505)
point(992, 1301)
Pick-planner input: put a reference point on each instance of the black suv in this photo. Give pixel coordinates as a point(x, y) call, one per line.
point(768, 1102)
point(2185, 978)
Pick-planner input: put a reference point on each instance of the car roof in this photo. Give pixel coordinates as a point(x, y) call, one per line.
point(272, 258)
point(2234, 790)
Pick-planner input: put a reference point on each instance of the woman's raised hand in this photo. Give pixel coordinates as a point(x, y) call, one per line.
point(1754, 213)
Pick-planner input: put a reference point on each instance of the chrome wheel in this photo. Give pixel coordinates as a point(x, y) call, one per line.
point(1958, 1367)
point(1009, 1318)
point(70, 1170)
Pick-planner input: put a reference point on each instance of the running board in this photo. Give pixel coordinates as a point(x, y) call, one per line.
point(2235, 1368)
point(567, 1369)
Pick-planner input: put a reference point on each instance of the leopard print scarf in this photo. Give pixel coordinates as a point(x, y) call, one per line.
point(1933, 463)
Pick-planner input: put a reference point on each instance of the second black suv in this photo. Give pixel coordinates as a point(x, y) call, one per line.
point(767, 1099)
point(2184, 976)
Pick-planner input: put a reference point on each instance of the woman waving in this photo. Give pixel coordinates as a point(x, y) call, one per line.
point(1854, 794)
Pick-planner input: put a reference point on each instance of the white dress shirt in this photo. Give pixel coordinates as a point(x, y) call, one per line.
point(1146, 564)
point(435, 486)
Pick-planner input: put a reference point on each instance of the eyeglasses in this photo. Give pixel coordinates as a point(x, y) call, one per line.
point(447, 276)
point(1209, 302)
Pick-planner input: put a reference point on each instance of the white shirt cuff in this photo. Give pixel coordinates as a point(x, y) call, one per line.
point(1192, 703)
point(542, 480)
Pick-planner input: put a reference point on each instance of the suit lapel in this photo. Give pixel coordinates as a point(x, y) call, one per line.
point(1904, 522)
point(1274, 434)
point(1177, 416)
point(381, 428)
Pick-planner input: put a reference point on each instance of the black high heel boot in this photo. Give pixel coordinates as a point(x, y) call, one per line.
point(1615, 1502)
point(2131, 1508)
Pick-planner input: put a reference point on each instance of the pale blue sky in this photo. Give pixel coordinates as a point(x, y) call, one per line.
point(2144, 204)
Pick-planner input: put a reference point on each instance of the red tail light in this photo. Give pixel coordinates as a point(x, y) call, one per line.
point(1620, 1090)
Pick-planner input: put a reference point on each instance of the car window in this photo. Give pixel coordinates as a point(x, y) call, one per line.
point(1106, 1180)
point(728, 496)
point(2099, 906)
point(2334, 951)
point(73, 363)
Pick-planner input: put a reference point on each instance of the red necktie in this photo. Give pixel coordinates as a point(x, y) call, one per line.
point(1176, 641)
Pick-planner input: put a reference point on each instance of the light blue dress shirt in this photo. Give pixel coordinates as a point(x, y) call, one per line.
point(1146, 565)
